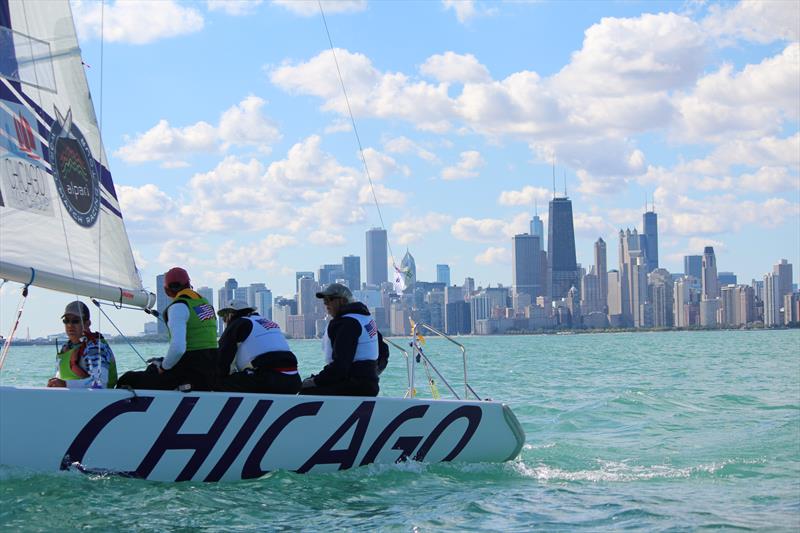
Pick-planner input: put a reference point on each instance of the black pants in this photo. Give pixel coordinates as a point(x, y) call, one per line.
point(349, 387)
point(260, 380)
point(196, 369)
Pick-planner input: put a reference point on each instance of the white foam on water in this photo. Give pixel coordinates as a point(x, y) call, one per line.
point(615, 471)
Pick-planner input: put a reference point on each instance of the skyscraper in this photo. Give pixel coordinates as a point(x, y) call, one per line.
point(377, 264)
point(352, 271)
point(601, 269)
point(537, 229)
point(525, 274)
point(650, 234)
point(300, 275)
point(443, 274)
point(693, 266)
point(409, 267)
point(709, 276)
point(561, 262)
point(784, 270)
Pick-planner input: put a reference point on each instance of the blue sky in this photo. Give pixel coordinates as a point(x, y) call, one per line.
point(233, 155)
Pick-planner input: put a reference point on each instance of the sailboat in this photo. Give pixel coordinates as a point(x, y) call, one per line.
point(61, 228)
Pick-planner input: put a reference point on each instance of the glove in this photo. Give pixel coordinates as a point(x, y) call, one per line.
point(308, 383)
point(155, 362)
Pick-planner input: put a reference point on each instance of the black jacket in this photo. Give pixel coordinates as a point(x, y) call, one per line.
point(343, 333)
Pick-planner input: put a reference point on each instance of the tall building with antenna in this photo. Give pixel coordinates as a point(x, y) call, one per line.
point(561, 263)
point(537, 226)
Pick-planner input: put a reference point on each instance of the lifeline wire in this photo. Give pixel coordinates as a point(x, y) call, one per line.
point(95, 302)
point(355, 130)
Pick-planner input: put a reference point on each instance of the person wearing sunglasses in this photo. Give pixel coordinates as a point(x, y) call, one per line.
point(86, 360)
point(350, 348)
point(253, 354)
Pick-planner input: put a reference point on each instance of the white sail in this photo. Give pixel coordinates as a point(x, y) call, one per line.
point(61, 225)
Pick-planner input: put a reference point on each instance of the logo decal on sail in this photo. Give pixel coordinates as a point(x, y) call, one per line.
point(74, 170)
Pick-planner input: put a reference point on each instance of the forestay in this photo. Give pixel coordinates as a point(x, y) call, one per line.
point(60, 221)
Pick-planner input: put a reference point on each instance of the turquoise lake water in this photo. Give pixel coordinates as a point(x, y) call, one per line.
point(673, 431)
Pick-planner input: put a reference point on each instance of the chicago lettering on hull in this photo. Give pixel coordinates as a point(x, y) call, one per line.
point(236, 442)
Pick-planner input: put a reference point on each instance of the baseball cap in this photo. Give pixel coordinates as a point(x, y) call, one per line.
point(176, 275)
point(235, 305)
point(76, 308)
point(336, 290)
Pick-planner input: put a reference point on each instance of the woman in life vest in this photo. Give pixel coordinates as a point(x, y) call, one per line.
point(190, 363)
point(85, 361)
point(350, 348)
point(253, 354)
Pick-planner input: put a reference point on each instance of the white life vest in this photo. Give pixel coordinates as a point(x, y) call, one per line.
point(265, 337)
point(367, 348)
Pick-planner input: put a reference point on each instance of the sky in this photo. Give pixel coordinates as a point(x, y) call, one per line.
point(233, 152)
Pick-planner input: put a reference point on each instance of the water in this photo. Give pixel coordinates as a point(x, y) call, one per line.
point(655, 431)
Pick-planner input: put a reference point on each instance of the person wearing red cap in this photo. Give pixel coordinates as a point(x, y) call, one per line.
point(85, 361)
point(190, 363)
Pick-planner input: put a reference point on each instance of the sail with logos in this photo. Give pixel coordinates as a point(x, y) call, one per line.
point(61, 228)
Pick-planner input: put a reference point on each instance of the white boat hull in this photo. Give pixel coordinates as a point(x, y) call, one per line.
point(215, 436)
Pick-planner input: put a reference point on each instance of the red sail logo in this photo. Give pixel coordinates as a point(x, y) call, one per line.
point(25, 138)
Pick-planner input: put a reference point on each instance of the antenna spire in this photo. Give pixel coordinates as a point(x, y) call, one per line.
point(554, 176)
point(565, 183)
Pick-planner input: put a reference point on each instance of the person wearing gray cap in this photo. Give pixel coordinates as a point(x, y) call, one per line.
point(350, 347)
point(85, 361)
point(253, 354)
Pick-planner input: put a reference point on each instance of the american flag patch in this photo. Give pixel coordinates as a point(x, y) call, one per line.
point(204, 311)
point(268, 324)
point(372, 328)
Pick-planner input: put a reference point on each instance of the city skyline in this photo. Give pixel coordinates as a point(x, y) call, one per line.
point(467, 111)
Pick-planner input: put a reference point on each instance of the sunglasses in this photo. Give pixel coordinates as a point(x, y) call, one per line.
point(71, 320)
point(329, 299)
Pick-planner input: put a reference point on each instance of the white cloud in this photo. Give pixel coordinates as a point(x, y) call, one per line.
point(413, 229)
point(402, 145)
point(164, 142)
point(244, 124)
point(135, 21)
point(625, 56)
point(761, 22)
point(370, 92)
point(234, 7)
point(386, 196)
point(494, 256)
point(489, 229)
point(751, 103)
point(697, 244)
point(464, 9)
point(467, 166)
point(770, 180)
point(459, 68)
point(381, 165)
point(260, 255)
point(525, 197)
point(323, 237)
point(307, 164)
point(143, 203)
point(310, 8)
point(339, 126)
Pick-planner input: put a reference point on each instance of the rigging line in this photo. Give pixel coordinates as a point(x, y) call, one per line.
point(100, 155)
point(355, 130)
point(10, 338)
point(97, 304)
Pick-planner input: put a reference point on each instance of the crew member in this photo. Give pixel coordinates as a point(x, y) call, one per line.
point(253, 354)
point(86, 360)
point(190, 363)
point(350, 347)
